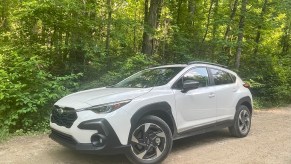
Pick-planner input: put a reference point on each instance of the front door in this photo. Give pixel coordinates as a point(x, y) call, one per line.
point(196, 107)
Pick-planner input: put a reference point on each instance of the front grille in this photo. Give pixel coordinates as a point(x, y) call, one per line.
point(63, 137)
point(63, 116)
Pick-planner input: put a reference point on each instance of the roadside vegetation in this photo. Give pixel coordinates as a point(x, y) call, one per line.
point(50, 48)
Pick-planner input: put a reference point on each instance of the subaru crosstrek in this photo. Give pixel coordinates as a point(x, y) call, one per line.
point(142, 115)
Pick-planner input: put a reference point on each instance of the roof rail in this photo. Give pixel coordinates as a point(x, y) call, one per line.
point(202, 62)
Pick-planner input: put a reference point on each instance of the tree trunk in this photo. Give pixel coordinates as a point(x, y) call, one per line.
point(233, 11)
point(215, 12)
point(179, 12)
point(108, 33)
point(146, 46)
point(226, 48)
point(4, 24)
point(208, 20)
point(286, 39)
point(134, 29)
point(240, 33)
point(108, 30)
point(258, 36)
point(150, 25)
point(191, 10)
point(159, 13)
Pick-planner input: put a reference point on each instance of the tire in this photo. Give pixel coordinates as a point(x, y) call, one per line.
point(150, 141)
point(242, 122)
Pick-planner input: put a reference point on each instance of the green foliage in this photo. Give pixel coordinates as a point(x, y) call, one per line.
point(127, 68)
point(27, 91)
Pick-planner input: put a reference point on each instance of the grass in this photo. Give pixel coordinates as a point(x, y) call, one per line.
point(5, 135)
point(259, 103)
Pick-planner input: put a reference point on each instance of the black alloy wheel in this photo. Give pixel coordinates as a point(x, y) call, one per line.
point(242, 122)
point(150, 141)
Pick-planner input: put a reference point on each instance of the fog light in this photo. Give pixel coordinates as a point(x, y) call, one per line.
point(98, 140)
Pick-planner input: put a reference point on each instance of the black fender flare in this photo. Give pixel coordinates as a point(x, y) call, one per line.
point(245, 101)
point(159, 109)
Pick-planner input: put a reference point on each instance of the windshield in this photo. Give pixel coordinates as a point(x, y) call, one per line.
point(149, 78)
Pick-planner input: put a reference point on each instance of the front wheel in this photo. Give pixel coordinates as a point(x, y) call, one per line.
point(242, 122)
point(151, 141)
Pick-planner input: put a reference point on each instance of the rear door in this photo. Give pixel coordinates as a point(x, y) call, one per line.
point(225, 89)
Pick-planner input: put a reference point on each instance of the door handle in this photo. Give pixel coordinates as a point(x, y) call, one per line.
point(211, 95)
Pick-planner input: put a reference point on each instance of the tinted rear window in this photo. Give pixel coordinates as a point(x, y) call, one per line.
point(221, 77)
point(233, 77)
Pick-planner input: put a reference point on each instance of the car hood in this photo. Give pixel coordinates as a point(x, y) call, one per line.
point(92, 97)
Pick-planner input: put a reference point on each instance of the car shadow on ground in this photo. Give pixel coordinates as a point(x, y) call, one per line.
point(184, 144)
point(200, 140)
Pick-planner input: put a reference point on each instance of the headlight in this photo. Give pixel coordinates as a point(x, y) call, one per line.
point(110, 107)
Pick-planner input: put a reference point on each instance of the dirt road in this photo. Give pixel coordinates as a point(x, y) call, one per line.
point(269, 142)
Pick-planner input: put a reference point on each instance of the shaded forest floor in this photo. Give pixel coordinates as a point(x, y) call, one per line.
point(269, 142)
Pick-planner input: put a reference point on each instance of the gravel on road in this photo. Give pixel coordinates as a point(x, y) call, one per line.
point(269, 142)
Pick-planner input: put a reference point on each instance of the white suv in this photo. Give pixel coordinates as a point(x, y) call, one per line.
point(142, 115)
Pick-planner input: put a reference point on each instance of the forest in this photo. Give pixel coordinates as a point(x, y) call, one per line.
point(50, 48)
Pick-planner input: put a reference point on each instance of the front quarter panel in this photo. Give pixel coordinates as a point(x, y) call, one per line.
point(156, 95)
point(120, 120)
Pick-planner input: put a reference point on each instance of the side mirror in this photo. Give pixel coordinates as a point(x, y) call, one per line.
point(189, 85)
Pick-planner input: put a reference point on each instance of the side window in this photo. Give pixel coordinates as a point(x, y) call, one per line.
point(233, 78)
point(221, 77)
point(197, 74)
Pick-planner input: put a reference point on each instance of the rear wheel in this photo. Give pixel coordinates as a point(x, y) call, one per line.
point(151, 141)
point(242, 122)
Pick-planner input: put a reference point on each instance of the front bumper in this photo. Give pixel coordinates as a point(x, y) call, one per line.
point(111, 143)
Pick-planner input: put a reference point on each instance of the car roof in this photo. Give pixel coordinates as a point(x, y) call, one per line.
point(207, 63)
point(172, 65)
point(192, 63)
point(197, 63)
